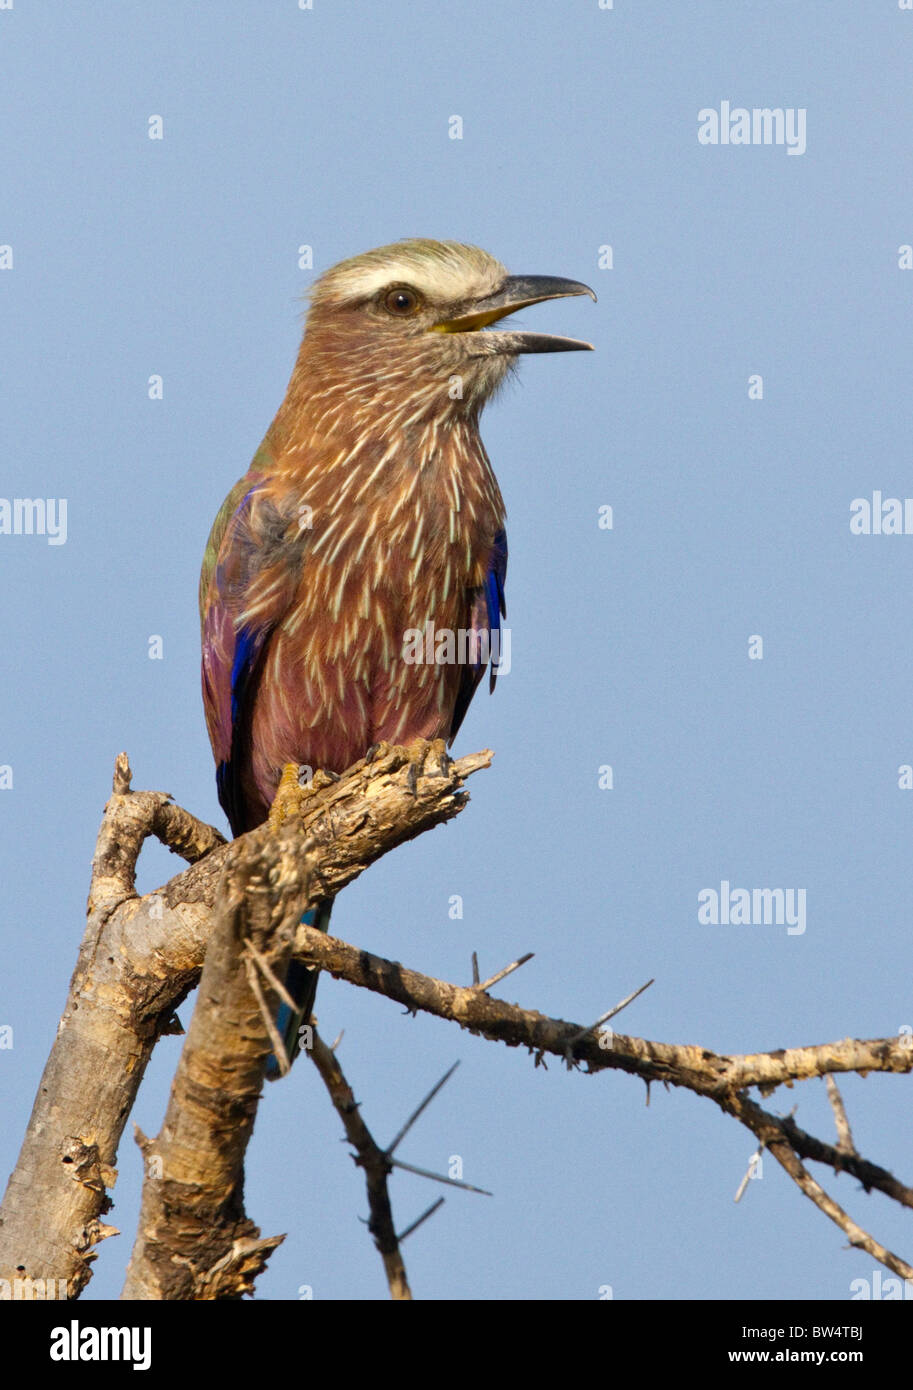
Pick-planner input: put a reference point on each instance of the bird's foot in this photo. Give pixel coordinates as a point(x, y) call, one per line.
point(296, 786)
point(426, 757)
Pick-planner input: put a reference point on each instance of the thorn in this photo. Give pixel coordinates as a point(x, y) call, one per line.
point(424, 1217)
point(508, 970)
point(274, 1035)
point(604, 1018)
point(752, 1167)
point(388, 1151)
point(475, 968)
point(339, 1038)
point(272, 980)
point(439, 1177)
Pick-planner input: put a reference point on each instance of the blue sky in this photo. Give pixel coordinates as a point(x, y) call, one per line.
point(178, 257)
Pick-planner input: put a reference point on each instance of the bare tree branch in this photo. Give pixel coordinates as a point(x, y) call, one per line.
point(138, 960)
point(680, 1064)
point(375, 1162)
point(774, 1133)
point(844, 1133)
point(717, 1077)
point(194, 1240)
point(141, 955)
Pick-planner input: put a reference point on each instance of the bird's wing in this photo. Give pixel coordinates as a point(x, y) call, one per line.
point(250, 576)
point(486, 609)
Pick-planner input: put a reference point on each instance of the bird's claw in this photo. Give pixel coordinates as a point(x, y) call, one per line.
point(292, 793)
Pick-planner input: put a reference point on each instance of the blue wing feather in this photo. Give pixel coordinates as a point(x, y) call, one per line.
point(234, 676)
point(245, 671)
point(490, 597)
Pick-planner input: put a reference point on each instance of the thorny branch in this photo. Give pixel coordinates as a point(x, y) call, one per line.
point(372, 1158)
point(141, 955)
point(723, 1079)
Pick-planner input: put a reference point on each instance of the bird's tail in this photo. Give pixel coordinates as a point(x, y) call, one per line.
point(301, 983)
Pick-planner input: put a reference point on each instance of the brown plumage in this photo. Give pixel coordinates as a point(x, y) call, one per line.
point(369, 511)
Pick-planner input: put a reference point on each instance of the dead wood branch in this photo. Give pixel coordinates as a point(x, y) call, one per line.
point(194, 1240)
point(375, 1162)
point(717, 1077)
point(140, 956)
point(138, 960)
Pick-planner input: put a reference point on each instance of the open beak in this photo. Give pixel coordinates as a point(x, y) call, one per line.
point(518, 292)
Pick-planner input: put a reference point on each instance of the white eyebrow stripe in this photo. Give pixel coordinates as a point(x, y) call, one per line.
point(448, 280)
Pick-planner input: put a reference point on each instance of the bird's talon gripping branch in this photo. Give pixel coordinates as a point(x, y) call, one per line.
point(292, 794)
point(435, 759)
point(288, 796)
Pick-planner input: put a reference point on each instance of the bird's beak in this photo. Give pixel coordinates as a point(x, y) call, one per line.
point(518, 292)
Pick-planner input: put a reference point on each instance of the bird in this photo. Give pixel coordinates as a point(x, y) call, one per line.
point(369, 510)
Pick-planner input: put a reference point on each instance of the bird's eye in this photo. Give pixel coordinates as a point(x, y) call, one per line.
point(401, 301)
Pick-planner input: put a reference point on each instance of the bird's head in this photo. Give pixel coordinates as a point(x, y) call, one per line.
point(407, 326)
